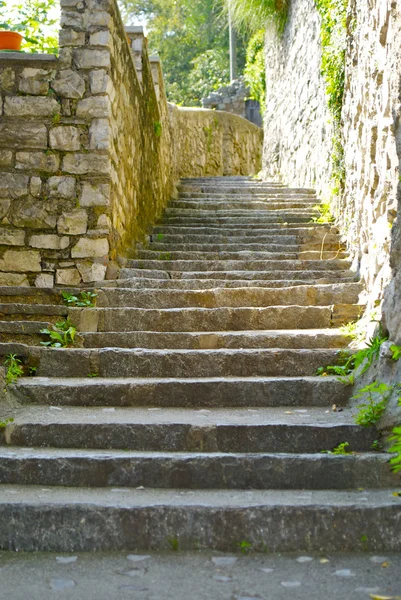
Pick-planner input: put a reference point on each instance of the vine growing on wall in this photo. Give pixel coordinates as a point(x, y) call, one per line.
point(334, 40)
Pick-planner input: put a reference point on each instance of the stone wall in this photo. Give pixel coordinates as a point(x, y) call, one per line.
point(89, 153)
point(212, 143)
point(297, 140)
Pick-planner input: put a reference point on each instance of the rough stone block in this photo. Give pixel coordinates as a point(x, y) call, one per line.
point(37, 160)
point(14, 279)
point(91, 271)
point(44, 280)
point(21, 106)
point(69, 84)
point(50, 242)
point(68, 277)
point(65, 138)
point(5, 158)
point(71, 18)
point(61, 187)
point(35, 81)
point(90, 59)
point(69, 37)
point(32, 135)
point(13, 185)
point(32, 214)
point(87, 248)
point(95, 194)
point(73, 223)
point(97, 18)
point(100, 82)
point(99, 135)
point(7, 79)
point(100, 38)
point(5, 204)
point(95, 106)
point(35, 186)
point(21, 261)
point(81, 164)
point(12, 237)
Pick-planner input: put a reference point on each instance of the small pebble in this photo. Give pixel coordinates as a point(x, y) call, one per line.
point(66, 560)
point(221, 578)
point(61, 584)
point(344, 573)
point(291, 584)
point(304, 559)
point(224, 561)
point(138, 557)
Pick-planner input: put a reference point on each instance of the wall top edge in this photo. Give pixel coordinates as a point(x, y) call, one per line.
point(26, 57)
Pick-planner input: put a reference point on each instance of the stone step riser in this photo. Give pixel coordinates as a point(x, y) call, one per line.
point(266, 246)
point(189, 471)
point(49, 527)
point(183, 363)
point(277, 217)
point(184, 393)
point(309, 277)
point(187, 437)
point(226, 231)
point(240, 265)
point(206, 284)
point(150, 254)
point(258, 204)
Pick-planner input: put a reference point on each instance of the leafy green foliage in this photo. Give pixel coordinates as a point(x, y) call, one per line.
point(209, 72)
point(36, 20)
point(84, 299)
point(3, 424)
point(157, 126)
point(14, 368)
point(341, 449)
point(245, 547)
point(62, 335)
point(396, 352)
point(324, 211)
point(396, 460)
point(254, 14)
point(376, 395)
point(255, 73)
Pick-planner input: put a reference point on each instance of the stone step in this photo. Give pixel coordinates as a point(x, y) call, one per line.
point(233, 392)
point(173, 254)
point(277, 216)
point(204, 319)
point(228, 230)
point(62, 519)
point(187, 430)
point(323, 295)
point(24, 332)
point(265, 246)
point(240, 265)
point(139, 282)
point(184, 470)
point(252, 204)
point(32, 312)
point(248, 189)
point(272, 237)
point(269, 194)
point(308, 277)
point(314, 338)
point(148, 362)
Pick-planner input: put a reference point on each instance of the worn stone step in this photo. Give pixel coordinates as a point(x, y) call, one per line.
point(192, 393)
point(32, 312)
point(277, 217)
point(187, 430)
point(228, 230)
point(148, 362)
point(248, 189)
point(314, 338)
point(184, 470)
point(138, 282)
point(25, 332)
point(241, 265)
point(344, 293)
point(266, 246)
point(253, 204)
point(62, 519)
point(267, 194)
point(202, 319)
point(173, 254)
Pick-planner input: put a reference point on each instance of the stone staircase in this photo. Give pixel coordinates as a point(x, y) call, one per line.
point(189, 415)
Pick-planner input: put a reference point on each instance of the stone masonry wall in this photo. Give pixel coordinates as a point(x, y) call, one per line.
point(297, 140)
point(89, 153)
point(212, 143)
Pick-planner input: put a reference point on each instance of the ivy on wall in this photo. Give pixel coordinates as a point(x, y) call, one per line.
point(334, 42)
point(255, 73)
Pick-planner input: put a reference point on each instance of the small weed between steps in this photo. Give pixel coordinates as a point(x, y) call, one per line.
point(84, 299)
point(245, 547)
point(164, 256)
point(376, 396)
point(174, 544)
point(93, 375)
point(14, 368)
point(325, 215)
point(3, 424)
point(159, 237)
point(62, 335)
point(396, 447)
point(339, 450)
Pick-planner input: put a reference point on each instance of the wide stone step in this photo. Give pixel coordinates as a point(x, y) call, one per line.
point(192, 393)
point(269, 194)
point(145, 362)
point(25, 332)
point(341, 293)
point(63, 519)
point(203, 319)
point(141, 283)
point(209, 204)
point(278, 216)
point(237, 228)
point(241, 265)
point(314, 338)
point(265, 246)
point(32, 312)
point(308, 430)
point(174, 254)
point(184, 470)
point(229, 190)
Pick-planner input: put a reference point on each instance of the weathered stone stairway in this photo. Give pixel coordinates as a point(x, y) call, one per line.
point(203, 422)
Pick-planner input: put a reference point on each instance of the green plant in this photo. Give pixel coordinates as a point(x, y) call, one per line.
point(56, 119)
point(32, 371)
point(157, 126)
point(341, 449)
point(93, 375)
point(376, 446)
point(324, 211)
point(14, 368)
point(159, 237)
point(370, 411)
point(3, 424)
point(84, 299)
point(396, 350)
point(255, 72)
point(165, 256)
point(174, 544)
point(396, 447)
point(245, 547)
point(254, 14)
point(38, 20)
point(62, 335)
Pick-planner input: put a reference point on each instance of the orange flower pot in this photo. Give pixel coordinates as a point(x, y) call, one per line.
point(10, 40)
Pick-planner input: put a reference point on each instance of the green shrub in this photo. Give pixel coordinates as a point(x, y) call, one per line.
point(255, 73)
